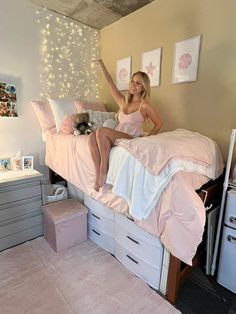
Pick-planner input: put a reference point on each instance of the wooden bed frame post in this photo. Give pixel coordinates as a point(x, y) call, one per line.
point(173, 279)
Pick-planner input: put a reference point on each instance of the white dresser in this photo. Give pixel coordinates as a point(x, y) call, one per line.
point(139, 251)
point(20, 207)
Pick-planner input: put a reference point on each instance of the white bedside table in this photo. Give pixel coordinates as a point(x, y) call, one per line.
point(20, 207)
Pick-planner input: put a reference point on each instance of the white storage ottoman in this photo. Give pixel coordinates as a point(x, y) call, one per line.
point(65, 224)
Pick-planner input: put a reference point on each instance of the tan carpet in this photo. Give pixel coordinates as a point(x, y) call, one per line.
point(85, 279)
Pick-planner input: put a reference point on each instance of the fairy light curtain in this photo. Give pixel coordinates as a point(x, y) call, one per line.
point(67, 51)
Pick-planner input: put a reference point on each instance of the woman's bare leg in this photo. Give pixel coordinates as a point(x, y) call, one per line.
point(105, 138)
point(95, 153)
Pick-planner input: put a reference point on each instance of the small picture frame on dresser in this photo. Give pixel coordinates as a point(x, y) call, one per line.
point(5, 164)
point(27, 162)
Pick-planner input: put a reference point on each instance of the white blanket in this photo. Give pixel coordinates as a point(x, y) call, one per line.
point(141, 186)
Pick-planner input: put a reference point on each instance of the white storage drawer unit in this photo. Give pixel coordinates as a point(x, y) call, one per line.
point(227, 270)
point(20, 207)
point(138, 250)
point(101, 224)
point(230, 210)
point(135, 248)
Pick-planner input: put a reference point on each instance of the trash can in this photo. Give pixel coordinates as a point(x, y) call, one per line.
point(54, 193)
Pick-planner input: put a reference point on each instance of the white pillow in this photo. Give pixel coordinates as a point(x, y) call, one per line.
point(62, 108)
point(99, 117)
point(110, 123)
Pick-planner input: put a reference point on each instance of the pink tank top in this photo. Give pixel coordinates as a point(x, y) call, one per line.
point(131, 123)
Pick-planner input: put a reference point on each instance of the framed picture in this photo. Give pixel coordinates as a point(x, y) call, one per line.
point(5, 164)
point(185, 65)
point(123, 72)
point(151, 64)
point(27, 162)
point(7, 100)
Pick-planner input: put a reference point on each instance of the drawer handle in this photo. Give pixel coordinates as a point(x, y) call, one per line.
point(232, 220)
point(130, 218)
point(96, 216)
point(96, 232)
point(133, 260)
point(132, 240)
point(231, 239)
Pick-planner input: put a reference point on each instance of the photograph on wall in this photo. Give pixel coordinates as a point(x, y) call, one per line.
point(151, 64)
point(123, 72)
point(5, 164)
point(27, 163)
point(7, 100)
point(186, 55)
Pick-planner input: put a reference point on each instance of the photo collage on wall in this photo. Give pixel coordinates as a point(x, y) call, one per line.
point(7, 100)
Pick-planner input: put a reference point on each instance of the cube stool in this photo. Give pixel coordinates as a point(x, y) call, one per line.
point(65, 224)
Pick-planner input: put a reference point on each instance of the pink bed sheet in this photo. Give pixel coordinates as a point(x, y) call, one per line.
point(178, 218)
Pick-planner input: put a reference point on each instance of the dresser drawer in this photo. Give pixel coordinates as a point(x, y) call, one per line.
point(97, 207)
point(101, 223)
point(102, 239)
point(148, 252)
point(21, 236)
point(17, 209)
point(25, 222)
point(143, 270)
point(13, 193)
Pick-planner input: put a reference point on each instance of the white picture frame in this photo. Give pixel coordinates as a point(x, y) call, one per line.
point(123, 73)
point(5, 164)
point(185, 62)
point(27, 162)
point(151, 64)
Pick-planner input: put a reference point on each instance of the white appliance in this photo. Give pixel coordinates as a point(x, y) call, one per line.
point(227, 264)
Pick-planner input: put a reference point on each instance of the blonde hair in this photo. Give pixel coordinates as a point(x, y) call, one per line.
point(146, 89)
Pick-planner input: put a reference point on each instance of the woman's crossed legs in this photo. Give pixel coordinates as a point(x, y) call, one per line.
point(100, 144)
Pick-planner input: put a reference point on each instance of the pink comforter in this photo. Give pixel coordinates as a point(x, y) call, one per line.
point(178, 218)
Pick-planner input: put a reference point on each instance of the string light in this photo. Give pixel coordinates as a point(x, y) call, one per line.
point(67, 51)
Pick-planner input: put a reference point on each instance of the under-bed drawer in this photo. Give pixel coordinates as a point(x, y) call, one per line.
point(143, 270)
point(101, 223)
point(140, 242)
point(102, 239)
point(150, 252)
point(97, 207)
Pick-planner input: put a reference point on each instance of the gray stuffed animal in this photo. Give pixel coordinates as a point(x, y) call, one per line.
point(82, 124)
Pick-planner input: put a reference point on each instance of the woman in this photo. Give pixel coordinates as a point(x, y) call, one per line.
point(134, 109)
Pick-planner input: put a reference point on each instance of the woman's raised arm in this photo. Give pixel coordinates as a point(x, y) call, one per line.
point(116, 94)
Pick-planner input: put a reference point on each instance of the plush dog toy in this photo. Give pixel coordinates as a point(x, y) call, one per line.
point(82, 124)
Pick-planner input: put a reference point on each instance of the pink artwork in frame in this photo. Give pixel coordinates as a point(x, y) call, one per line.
point(123, 72)
point(186, 57)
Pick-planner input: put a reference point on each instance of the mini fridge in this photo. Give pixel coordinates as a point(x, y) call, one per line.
point(227, 263)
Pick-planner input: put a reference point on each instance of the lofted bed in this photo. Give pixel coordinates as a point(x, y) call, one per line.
point(151, 212)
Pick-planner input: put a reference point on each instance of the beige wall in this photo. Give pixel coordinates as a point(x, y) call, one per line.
point(207, 105)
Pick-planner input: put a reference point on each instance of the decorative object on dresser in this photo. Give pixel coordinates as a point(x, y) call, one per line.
point(5, 164)
point(27, 162)
point(65, 224)
point(20, 207)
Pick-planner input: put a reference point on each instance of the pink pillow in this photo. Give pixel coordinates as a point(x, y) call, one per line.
point(44, 114)
point(67, 124)
point(84, 105)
